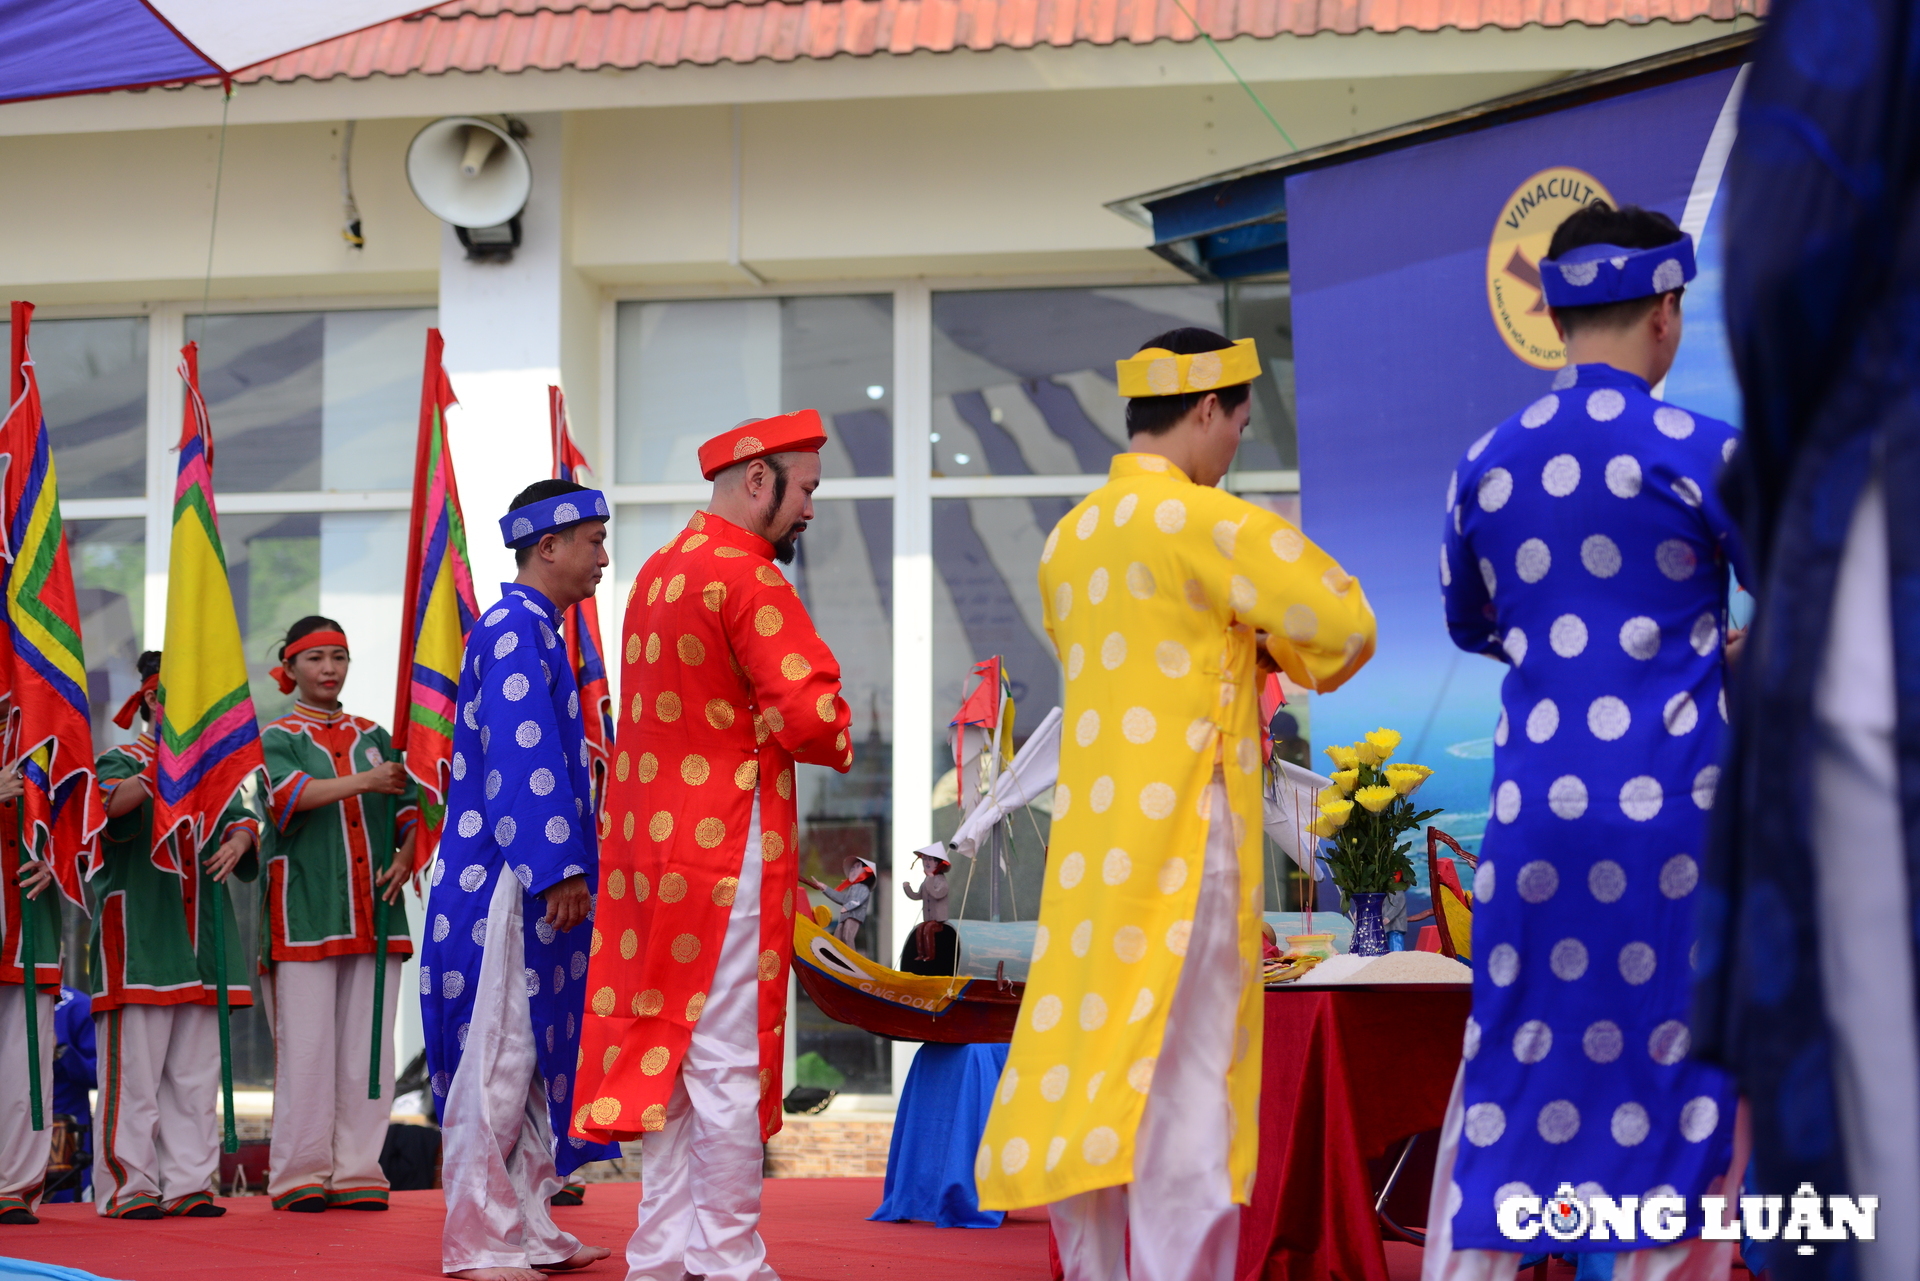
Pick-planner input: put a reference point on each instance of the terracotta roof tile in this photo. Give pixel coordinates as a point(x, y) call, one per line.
point(586, 35)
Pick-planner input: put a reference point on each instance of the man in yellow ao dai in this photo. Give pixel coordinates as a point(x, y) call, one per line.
point(1130, 1097)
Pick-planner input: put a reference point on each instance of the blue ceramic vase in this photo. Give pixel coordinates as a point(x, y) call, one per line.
point(1369, 925)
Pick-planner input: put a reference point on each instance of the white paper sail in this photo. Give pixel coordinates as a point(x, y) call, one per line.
point(1290, 809)
point(1035, 769)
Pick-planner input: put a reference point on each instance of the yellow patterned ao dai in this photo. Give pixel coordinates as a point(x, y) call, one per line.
point(1154, 588)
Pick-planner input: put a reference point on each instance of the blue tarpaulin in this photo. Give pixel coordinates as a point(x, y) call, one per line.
point(30, 1270)
point(936, 1133)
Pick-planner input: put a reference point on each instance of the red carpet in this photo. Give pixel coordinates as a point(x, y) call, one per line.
point(816, 1230)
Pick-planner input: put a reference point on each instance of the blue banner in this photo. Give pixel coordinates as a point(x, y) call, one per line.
point(1418, 326)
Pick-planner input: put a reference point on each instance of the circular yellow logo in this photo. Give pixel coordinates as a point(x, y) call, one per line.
point(1520, 239)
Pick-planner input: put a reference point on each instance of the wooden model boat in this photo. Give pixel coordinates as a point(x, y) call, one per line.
point(849, 988)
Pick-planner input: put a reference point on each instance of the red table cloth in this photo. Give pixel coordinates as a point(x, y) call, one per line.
point(1345, 1074)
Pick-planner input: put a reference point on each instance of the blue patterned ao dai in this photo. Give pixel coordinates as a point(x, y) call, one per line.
point(517, 799)
point(1585, 546)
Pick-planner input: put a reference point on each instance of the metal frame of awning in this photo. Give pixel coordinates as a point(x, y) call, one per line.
point(1233, 225)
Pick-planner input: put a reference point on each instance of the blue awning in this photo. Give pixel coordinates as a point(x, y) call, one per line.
point(1233, 225)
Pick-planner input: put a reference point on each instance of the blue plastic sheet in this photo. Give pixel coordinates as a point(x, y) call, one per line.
point(30, 1270)
point(943, 1113)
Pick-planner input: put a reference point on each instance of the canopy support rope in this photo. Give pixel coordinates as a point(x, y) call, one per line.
point(213, 219)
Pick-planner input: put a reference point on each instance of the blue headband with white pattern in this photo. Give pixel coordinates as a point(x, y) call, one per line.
point(1594, 275)
point(524, 525)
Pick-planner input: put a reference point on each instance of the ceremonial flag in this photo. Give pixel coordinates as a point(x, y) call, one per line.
point(49, 732)
point(207, 735)
point(438, 610)
point(208, 738)
point(582, 625)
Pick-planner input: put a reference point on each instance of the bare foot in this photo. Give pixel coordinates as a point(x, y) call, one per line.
point(499, 1274)
point(585, 1255)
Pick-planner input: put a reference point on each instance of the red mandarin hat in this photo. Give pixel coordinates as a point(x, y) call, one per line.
point(799, 432)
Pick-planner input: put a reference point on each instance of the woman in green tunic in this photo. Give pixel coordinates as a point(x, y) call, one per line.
point(156, 986)
point(339, 849)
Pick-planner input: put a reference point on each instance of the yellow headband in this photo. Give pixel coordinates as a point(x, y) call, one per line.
point(1158, 372)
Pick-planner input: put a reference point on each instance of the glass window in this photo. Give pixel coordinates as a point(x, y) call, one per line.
point(282, 567)
point(844, 573)
point(1264, 312)
point(363, 573)
point(93, 390)
point(986, 601)
point(641, 530)
point(273, 563)
point(690, 370)
point(343, 565)
point(312, 400)
point(1023, 380)
point(109, 561)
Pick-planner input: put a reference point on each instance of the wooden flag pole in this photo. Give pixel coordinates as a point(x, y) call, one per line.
point(379, 984)
point(230, 1138)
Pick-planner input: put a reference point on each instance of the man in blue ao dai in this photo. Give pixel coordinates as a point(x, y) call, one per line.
point(509, 918)
point(1586, 547)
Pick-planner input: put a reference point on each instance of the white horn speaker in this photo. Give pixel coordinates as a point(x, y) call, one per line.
point(474, 174)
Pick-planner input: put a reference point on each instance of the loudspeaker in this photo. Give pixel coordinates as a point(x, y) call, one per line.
point(474, 174)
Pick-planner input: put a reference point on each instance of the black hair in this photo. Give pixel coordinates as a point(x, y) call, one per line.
point(306, 627)
point(1156, 415)
point(148, 666)
point(779, 470)
point(1629, 227)
point(533, 493)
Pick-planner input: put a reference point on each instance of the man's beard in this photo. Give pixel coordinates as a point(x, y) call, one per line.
point(784, 548)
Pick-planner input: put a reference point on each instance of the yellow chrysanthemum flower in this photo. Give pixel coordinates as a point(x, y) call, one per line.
point(1339, 811)
point(1343, 757)
point(1384, 741)
point(1322, 826)
point(1366, 753)
point(1376, 798)
point(1346, 780)
point(1406, 779)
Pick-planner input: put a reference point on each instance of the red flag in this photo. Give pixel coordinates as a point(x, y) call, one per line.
point(438, 610)
point(582, 625)
point(49, 731)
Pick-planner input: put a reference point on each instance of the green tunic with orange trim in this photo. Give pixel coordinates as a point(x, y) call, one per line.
point(321, 862)
point(152, 940)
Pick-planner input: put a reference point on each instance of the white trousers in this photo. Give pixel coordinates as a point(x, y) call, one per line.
point(1179, 1210)
point(701, 1173)
point(496, 1166)
point(1866, 967)
point(327, 1134)
point(23, 1150)
point(156, 1124)
point(1692, 1260)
